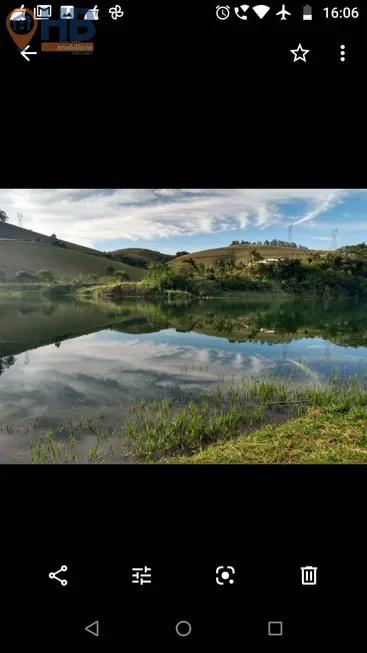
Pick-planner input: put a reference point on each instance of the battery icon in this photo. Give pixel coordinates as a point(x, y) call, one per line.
point(307, 12)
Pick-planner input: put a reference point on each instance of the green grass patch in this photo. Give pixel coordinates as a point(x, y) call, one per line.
point(254, 422)
point(323, 436)
point(109, 289)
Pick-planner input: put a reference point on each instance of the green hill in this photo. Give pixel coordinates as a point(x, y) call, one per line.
point(66, 263)
point(242, 253)
point(140, 257)
point(11, 231)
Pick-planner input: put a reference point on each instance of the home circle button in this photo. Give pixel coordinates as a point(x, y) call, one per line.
point(183, 628)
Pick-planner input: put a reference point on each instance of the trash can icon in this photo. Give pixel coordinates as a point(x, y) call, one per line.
point(309, 575)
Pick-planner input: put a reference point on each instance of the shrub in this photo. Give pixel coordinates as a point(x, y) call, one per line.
point(24, 276)
point(121, 275)
point(37, 240)
point(134, 261)
point(93, 277)
point(255, 255)
point(45, 275)
point(57, 243)
point(110, 269)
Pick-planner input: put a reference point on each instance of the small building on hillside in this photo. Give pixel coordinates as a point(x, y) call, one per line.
point(265, 260)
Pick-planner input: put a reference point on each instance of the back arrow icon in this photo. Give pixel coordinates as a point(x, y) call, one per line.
point(23, 53)
point(93, 628)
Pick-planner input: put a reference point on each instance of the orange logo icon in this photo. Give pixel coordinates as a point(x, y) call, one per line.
point(21, 24)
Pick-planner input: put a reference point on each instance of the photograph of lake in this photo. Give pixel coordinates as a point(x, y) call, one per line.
point(183, 326)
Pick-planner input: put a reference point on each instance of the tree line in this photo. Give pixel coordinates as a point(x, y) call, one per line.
point(272, 243)
point(343, 273)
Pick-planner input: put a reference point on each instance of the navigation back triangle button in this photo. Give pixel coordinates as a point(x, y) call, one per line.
point(93, 628)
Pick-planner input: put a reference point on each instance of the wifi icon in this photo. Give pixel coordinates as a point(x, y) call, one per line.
point(261, 10)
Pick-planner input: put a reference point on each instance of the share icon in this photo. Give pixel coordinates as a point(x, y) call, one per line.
point(53, 574)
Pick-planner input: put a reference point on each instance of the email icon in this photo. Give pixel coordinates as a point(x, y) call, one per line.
point(43, 12)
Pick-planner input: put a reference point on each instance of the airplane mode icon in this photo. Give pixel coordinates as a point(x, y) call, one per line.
point(283, 13)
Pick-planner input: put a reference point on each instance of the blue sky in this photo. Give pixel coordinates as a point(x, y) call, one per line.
point(170, 220)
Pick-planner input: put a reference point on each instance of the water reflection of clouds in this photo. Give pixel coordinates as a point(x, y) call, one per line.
point(96, 369)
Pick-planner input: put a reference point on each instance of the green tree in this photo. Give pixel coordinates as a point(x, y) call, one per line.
point(255, 255)
point(45, 275)
point(110, 269)
point(3, 216)
point(189, 269)
point(24, 276)
point(201, 269)
point(93, 276)
point(6, 362)
point(53, 236)
point(121, 275)
point(163, 277)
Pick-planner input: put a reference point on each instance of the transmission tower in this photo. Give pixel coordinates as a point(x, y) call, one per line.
point(290, 230)
point(20, 218)
point(334, 234)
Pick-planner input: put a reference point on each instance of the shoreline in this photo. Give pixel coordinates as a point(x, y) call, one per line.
point(257, 422)
point(112, 291)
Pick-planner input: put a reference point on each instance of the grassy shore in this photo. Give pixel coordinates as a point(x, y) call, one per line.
point(323, 436)
point(255, 422)
point(117, 290)
point(259, 422)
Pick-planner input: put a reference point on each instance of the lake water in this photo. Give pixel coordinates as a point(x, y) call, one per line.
point(60, 360)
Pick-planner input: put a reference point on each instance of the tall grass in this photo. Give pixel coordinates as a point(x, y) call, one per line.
point(251, 421)
point(156, 430)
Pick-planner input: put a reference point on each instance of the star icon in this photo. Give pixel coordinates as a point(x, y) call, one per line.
point(301, 57)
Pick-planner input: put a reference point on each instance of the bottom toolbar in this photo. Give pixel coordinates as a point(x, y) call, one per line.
point(220, 602)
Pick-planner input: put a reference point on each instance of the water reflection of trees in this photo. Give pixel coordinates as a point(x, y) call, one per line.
point(273, 322)
point(6, 362)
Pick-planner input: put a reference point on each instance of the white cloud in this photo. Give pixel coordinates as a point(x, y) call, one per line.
point(332, 199)
point(86, 216)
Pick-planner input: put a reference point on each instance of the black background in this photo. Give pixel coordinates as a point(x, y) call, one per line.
point(175, 99)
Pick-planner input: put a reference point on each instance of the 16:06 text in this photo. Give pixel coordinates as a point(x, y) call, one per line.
point(345, 12)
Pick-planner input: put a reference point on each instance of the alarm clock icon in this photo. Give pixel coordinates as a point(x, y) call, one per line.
point(222, 12)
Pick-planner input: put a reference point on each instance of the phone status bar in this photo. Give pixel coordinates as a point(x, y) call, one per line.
point(47, 28)
point(306, 13)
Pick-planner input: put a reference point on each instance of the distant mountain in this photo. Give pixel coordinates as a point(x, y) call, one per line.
point(140, 257)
